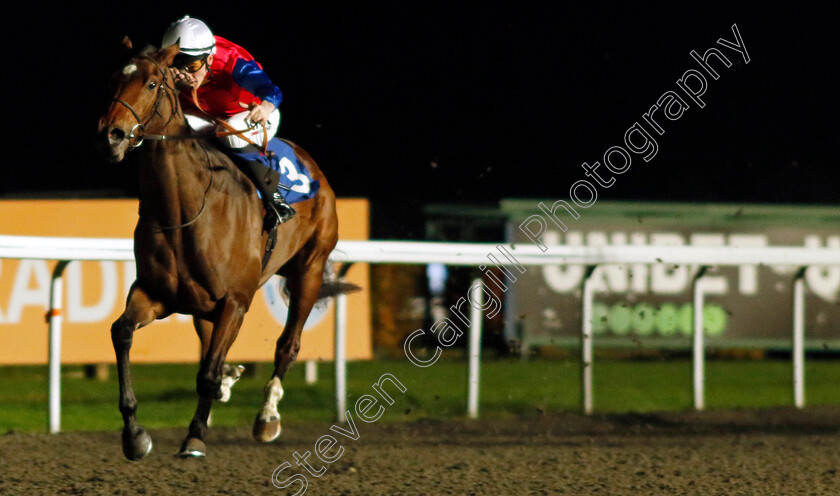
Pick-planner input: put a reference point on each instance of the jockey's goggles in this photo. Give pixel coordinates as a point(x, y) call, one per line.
point(189, 63)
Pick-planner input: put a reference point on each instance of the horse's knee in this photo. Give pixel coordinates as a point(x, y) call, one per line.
point(122, 333)
point(208, 385)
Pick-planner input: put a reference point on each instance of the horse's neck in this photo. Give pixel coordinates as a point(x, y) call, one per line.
point(173, 181)
point(174, 174)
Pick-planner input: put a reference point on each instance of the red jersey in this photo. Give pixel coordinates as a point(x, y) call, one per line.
point(234, 77)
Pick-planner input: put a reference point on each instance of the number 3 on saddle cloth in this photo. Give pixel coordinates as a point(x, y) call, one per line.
point(279, 171)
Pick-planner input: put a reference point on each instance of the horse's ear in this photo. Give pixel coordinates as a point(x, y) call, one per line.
point(127, 45)
point(166, 55)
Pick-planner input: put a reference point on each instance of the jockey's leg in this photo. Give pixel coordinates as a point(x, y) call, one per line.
point(263, 171)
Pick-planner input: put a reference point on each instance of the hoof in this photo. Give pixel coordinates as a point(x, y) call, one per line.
point(136, 446)
point(192, 448)
point(265, 432)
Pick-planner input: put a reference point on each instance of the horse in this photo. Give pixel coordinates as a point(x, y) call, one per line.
point(200, 242)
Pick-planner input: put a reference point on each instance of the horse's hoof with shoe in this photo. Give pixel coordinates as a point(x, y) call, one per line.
point(267, 424)
point(266, 431)
point(192, 448)
point(136, 445)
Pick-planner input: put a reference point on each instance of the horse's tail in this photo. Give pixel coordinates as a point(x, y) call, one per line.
point(330, 289)
point(334, 283)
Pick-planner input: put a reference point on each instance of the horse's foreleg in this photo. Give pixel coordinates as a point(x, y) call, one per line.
point(198, 425)
point(303, 292)
point(216, 337)
point(140, 310)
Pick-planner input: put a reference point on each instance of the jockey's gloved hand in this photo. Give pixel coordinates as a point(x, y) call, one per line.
point(258, 112)
point(183, 79)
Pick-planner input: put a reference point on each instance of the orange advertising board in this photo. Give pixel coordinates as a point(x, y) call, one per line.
point(95, 293)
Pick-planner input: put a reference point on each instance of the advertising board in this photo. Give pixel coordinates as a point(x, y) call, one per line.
point(95, 294)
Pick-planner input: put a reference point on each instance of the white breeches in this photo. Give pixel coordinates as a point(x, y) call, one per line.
point(199, 123)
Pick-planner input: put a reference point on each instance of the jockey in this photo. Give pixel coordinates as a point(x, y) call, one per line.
point(232, 86)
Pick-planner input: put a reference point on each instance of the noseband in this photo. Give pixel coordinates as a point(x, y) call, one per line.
point(139, 125)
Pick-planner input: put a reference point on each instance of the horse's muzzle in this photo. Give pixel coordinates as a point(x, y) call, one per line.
point(112, 144)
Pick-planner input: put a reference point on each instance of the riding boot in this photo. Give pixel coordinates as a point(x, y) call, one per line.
point(277, 210)
point(267, 187)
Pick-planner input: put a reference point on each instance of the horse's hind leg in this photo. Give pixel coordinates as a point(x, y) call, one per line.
point(140, 310)
point(304, 281)
point(216, 339)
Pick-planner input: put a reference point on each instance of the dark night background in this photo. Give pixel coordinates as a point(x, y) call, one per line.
point(416, 103)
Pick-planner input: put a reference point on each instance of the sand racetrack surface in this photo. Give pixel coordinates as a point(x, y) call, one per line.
point(776, 451)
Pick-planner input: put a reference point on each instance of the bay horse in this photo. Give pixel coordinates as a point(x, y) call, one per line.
point(199, 245)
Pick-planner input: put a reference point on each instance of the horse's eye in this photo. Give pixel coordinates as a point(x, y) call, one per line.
point(152, 85)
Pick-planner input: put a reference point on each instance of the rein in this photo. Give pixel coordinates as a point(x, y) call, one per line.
point(170, 90)
point(203, 200)
point(172, 93)
point(230, 130)
point(137, 134)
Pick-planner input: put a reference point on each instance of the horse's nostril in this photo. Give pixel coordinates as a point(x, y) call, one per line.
point(116, 135)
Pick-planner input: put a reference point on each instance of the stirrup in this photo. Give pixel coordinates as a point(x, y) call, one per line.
point(283, 209)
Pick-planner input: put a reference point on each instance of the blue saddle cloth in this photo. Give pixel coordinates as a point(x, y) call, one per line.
point(296, 183)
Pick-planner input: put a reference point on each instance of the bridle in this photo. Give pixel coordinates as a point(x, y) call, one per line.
point(137, 133)
point(171, 91)
point(164, 88)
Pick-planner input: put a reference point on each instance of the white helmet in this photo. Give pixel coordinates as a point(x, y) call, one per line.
point(194, 36)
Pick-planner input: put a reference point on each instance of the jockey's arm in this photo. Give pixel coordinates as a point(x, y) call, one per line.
point(250, 76)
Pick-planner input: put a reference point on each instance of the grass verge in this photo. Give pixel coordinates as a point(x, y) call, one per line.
point(166, 392)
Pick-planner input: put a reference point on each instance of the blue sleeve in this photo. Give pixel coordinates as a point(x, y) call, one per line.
point(249, 75)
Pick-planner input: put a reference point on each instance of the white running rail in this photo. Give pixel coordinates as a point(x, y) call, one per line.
point(65, 250)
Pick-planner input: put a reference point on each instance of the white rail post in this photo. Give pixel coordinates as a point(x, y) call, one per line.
point(476, 318)
point(586, 358)
point(311, 371)
point(798, 353)
point(699, 345)
point(54, 318)
point(341, 357)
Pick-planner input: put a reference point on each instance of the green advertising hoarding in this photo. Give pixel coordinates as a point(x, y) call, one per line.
point(642, 305)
